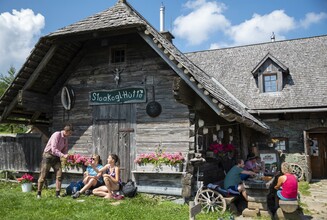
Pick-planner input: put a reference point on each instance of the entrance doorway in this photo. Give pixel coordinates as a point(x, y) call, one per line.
point(318, 154)
point(113, 133)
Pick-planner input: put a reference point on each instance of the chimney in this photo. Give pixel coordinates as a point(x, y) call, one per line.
point(272, 37)
point(166, 34)
point(162, 18)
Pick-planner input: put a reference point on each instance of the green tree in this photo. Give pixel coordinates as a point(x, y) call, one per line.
point(5, 81)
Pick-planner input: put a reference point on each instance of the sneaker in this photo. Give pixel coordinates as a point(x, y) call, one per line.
point(58, 196)
point(88, 192)
point(76, 195)
point(38, 196)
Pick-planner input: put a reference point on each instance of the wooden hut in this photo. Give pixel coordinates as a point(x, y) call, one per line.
point(128, 90)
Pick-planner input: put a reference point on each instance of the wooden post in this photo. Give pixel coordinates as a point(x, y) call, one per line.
point(194, 210)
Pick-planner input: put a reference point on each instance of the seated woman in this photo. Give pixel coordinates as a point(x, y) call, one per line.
point(287, 184)
point(111, 178)
point(91, 178)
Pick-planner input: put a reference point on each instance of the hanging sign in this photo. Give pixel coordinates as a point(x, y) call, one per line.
point(118, 96)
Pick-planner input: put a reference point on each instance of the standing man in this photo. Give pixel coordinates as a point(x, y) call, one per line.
point(56, 148)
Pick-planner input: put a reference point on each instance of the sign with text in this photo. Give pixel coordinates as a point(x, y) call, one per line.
point(269, 158)
point(118, 96)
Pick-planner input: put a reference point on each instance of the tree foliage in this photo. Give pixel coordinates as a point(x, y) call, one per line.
point(5, 81)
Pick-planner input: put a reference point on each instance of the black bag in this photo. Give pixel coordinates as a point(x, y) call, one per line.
point(129, 189)
point(79, 185)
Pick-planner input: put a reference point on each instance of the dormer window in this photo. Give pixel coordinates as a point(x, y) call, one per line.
point(270, 83)
point(270, 75)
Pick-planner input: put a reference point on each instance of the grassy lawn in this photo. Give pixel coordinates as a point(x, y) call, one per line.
point(14, 204)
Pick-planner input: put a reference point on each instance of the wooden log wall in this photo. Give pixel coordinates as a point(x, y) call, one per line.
point(143, 67)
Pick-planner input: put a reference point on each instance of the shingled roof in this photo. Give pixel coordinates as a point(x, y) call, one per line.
point(53, 57)
point(305, 59)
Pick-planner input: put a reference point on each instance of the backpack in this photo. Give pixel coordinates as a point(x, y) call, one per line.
point(129, 189)
point(79, 185)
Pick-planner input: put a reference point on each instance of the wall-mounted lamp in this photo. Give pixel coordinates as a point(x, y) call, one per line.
point(217, 127)
point(322, 121)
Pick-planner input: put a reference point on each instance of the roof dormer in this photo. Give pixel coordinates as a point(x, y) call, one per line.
point(270, 74)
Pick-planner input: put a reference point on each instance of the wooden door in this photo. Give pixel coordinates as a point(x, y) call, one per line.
point(318, 155)
point(112, 131)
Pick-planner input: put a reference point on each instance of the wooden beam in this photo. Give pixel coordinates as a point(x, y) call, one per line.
point(31, 80)
point(55, 89)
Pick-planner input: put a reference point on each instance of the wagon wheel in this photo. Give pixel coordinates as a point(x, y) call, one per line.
point(210, 200)
point(297, 170)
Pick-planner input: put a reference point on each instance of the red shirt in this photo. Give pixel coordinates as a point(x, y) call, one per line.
point(289, 187)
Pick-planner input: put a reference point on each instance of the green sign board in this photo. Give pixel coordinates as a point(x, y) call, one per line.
point(118, 96)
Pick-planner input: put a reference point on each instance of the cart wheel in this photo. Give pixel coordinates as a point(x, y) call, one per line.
point(210, 201)
point(297, 170)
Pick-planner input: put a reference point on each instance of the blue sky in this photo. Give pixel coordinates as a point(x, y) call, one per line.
point(196, 24)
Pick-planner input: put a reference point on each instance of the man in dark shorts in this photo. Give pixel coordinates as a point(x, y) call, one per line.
point(56, 148)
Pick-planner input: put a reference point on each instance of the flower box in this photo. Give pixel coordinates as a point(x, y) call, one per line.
point(161, 168)
point(74, 169)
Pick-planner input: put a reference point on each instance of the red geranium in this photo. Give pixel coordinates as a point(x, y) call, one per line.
point(26, 178)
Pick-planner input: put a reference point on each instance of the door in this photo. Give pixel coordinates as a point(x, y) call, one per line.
point(318, 154)
point(113, 133)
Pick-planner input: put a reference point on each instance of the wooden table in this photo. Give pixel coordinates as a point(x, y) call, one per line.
point(257, 191)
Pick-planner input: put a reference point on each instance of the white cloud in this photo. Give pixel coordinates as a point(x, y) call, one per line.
point(205, 19)
point(19, 32)
point(260, 27)
point(311, 18)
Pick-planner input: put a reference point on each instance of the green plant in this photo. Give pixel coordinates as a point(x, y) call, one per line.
point(304, 188)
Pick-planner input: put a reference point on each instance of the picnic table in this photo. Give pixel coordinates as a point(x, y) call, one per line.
point(257, 191)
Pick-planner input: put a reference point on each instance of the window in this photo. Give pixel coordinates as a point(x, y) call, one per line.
point(279, 143)
point(270, 75)
point(270, 83)
point(117, 55)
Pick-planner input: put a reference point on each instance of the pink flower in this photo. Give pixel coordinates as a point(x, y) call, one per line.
point(26, 178)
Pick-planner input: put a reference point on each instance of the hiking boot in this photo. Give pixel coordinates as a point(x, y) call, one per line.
point(76, 195)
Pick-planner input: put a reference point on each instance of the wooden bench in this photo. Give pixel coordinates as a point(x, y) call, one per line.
point(288, 206)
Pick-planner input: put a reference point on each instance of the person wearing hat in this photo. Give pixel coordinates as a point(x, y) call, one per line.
point(56, 148)
point(250, 165)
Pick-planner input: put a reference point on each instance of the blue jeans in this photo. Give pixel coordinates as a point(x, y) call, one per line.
point(244, 176)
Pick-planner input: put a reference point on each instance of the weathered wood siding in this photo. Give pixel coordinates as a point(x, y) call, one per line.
point(21, 152)
point(143, 67)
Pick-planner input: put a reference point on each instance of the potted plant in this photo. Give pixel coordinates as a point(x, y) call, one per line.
point(222, 151)
point(26, 181)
